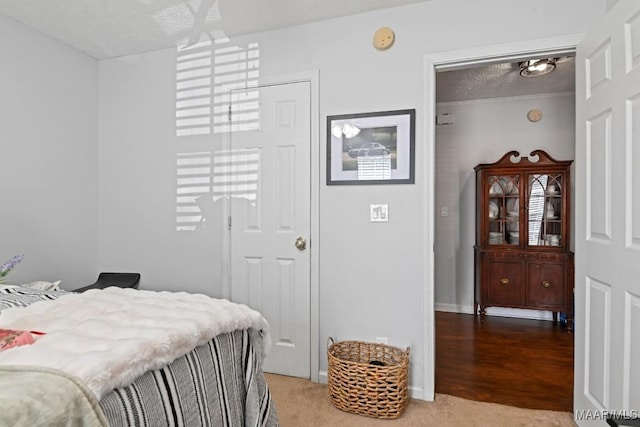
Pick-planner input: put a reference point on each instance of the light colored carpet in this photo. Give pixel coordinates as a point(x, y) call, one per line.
point(302, 403)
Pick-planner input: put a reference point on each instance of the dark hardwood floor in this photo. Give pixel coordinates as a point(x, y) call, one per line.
point(518, 362)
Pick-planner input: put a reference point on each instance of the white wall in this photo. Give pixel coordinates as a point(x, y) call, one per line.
point(371, 275)
point(48, 158)
point(483, 132)
point(611, 3)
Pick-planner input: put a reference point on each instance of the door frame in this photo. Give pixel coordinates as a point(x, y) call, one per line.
point(451, 60)
point(313, 242)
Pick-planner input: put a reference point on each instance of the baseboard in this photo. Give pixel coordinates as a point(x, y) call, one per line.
point(414, 392)
point(520, 313)
point(497, 311)
point(454, 308)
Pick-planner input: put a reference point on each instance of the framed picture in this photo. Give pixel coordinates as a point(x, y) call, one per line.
point(371, 148)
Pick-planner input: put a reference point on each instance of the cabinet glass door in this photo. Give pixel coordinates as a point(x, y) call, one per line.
point(503, 213)
point(544, 210)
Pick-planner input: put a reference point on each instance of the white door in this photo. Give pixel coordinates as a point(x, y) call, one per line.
point(607, 184)
point(270, 216)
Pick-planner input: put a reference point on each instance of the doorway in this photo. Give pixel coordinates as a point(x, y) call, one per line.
point(479, 125)
point(452, 61)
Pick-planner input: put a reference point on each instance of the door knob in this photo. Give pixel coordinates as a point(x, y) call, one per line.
point(301, 243)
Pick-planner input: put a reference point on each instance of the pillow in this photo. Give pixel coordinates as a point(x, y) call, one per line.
point(44, 286)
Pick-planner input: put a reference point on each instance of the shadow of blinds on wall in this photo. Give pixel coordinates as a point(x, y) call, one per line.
point(203, 66)
point(207, 72)
point(193, 187)
point(193, 89)
point(204, 178)
point(237, 174)
point(236, 68)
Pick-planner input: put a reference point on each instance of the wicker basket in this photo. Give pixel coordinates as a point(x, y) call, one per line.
point(368, 379)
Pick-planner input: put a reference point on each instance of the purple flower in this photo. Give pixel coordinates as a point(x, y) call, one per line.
point(10, 265)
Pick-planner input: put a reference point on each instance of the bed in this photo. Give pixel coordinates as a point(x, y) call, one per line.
point(125, 357)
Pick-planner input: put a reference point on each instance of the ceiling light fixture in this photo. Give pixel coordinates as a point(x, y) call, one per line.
point(537, 67)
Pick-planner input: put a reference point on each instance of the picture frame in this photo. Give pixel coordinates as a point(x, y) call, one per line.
point(371, 148)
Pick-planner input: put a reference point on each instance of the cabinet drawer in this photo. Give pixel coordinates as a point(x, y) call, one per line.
point(546, 284)
point(504, 283)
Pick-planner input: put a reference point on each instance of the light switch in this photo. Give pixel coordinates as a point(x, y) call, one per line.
point(379, 213)
point(444, 211)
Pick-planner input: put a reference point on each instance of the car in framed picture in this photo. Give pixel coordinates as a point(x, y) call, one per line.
point(369, 149)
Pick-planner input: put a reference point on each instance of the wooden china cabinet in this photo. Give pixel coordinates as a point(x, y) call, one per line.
point(522, 256)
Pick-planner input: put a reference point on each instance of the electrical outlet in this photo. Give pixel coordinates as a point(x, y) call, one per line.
point(382, 340)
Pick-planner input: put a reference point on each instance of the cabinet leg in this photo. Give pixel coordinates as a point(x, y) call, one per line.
point(569, 322)
point(555, 317)
point(483, 311)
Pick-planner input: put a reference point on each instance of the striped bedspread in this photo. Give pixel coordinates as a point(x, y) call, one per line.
point(218, 384)
point(18, 296)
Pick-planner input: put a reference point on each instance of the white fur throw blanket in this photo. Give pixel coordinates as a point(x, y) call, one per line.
point(107, 338)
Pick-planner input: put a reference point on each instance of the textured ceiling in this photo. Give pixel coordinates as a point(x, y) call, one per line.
point(110, 28)
point(502, 80)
